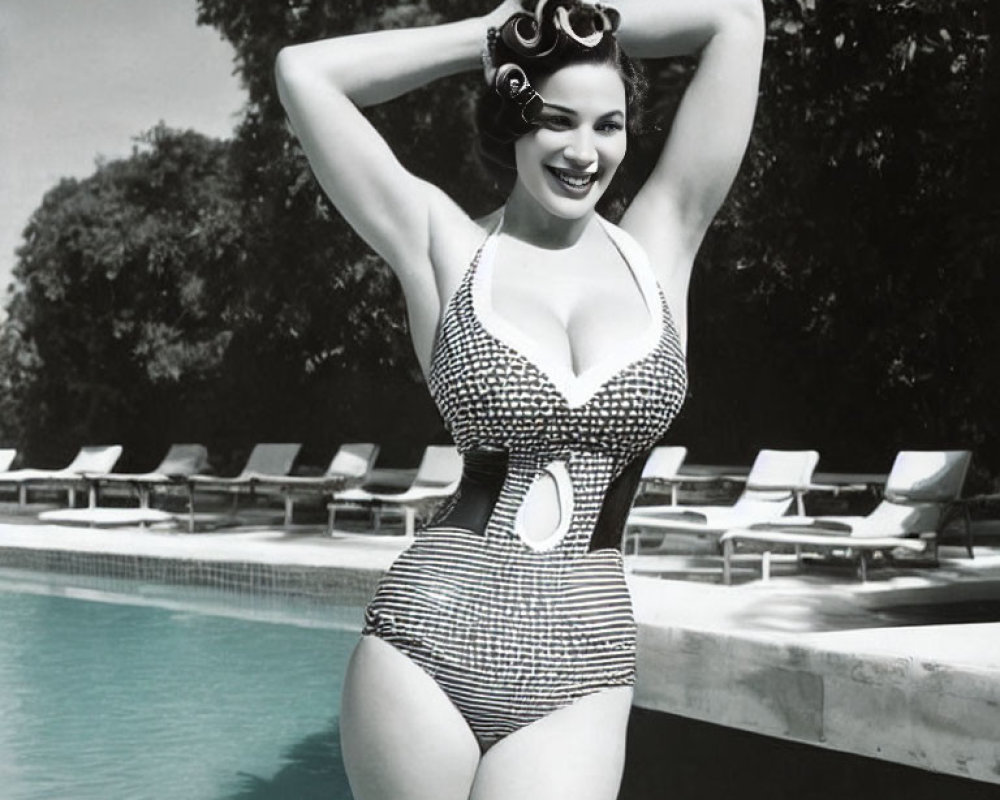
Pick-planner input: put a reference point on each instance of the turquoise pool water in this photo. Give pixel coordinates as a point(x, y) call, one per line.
point(117, 691)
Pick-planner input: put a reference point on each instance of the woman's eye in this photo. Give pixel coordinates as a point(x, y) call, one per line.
point(610, 127)
point(557, 122)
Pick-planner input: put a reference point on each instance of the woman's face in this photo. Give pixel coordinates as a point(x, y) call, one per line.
point(567, 162)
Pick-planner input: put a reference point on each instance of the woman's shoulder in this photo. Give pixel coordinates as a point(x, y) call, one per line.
point(455, 236)
point(626, 241)
point(461, 229)
point(455, 241)
point(488, 223)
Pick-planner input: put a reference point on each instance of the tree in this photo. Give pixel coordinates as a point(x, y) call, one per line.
point(112, 331)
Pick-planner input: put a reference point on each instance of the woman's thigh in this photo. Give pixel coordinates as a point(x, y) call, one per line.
point(575, 753)
point(402, 738)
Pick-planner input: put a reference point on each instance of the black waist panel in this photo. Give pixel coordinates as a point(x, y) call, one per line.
point(617, 503)
point(483, 472)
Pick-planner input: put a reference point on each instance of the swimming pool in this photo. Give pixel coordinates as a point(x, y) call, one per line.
point(114, 689)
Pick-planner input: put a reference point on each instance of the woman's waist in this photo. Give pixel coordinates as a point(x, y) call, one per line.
point(534, 501)
point(453, 565)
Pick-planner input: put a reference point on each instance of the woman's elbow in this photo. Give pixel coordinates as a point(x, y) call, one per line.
point(286, 65)
point(747, 13)
point(310, 70)
point(297, 75)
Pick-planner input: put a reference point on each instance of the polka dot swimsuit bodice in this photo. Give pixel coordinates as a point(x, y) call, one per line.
point(495, 388)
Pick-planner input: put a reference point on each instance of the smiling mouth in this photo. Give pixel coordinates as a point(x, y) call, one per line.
point(574, 181)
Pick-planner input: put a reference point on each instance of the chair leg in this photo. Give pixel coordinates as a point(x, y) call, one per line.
point(409, 520)
point(190, 489)
point(765, 565)
point(727, 554)
point(331, 517)
point(967, 521)
point(289, 509)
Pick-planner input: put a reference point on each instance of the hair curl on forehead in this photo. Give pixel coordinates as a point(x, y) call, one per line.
point(528, 48)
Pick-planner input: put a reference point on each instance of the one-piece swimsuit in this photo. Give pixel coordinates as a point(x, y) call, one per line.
point(513, 628)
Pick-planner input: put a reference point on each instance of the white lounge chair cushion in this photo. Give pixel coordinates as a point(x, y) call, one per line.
point(412, 495)
point(7, 456)
point(931, 476)
point(106, 516)
point(888, 519)
point(663, 463)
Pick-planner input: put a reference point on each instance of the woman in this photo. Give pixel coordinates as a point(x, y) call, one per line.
point(498, 654)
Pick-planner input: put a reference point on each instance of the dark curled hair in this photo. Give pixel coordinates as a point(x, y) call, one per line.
point(500, 121)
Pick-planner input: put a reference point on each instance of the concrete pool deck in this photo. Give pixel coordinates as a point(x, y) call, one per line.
point(814, 658)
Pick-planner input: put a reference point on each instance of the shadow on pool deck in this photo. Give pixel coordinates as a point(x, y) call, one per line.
point(674, 758)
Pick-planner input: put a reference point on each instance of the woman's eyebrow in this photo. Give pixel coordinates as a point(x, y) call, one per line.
point(567, 110)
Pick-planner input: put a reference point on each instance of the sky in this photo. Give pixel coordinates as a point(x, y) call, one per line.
point(80, 79)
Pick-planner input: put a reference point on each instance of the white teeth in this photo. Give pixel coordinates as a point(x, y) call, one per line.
point(578, 181)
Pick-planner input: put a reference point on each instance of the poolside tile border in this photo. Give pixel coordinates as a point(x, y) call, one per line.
point(346, 585)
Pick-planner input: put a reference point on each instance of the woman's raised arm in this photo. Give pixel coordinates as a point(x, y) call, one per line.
point(323, 84)
point(672, 211)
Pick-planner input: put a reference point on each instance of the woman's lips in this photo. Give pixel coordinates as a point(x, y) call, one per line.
point(572, 182)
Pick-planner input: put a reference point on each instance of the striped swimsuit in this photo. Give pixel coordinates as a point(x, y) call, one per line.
point(514, 628)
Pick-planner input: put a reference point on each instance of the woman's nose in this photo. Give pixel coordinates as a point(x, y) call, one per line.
point(581, 150)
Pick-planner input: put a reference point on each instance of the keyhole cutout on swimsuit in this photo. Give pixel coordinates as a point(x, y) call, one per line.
point(547, 508)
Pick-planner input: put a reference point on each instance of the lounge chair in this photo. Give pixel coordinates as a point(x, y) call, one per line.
point(265, 459)
point(180, 462)
point(921, 488)
point(96, 459)
point(661, 471)
point(437, 477)
point(777, 479)
point(351, 465)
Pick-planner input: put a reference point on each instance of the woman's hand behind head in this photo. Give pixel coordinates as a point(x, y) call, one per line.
point(499, 15)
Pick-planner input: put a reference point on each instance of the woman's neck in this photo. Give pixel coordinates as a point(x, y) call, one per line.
point(525, 219)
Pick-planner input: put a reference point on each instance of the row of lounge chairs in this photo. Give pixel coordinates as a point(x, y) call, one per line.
point(920, 496)
point(920, 492)
point(266, 473)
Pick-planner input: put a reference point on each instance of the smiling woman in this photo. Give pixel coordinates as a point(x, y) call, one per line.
point(553, 344)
